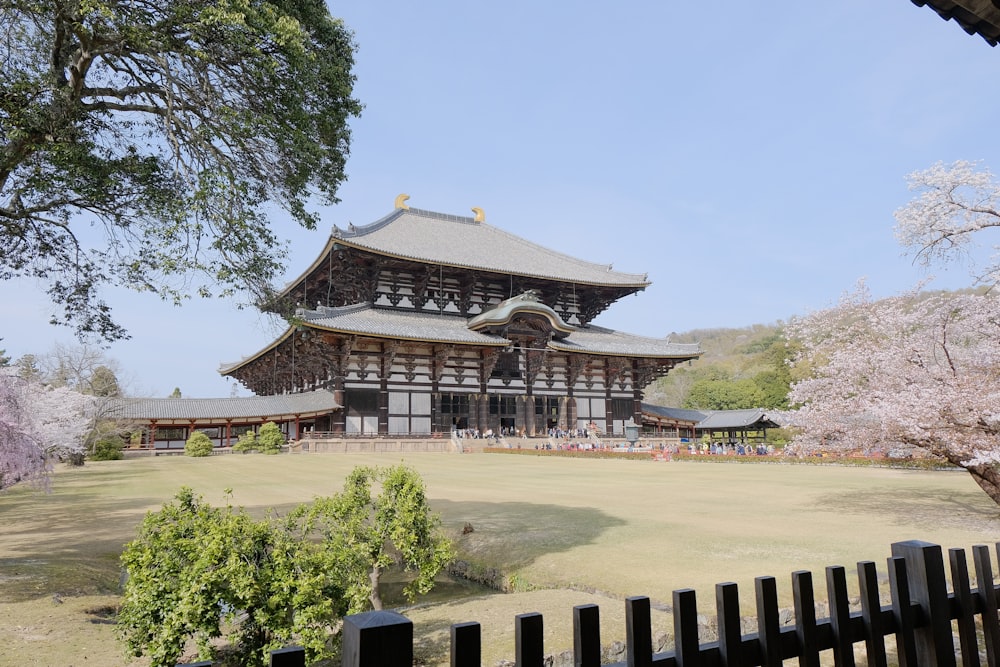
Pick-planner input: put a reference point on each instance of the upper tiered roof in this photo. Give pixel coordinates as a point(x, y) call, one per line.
point(470, 243)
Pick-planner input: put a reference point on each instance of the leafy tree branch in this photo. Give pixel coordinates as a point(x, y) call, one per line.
point(141, 142)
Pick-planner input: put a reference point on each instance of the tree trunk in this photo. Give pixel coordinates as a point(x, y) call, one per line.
point(988, 478)
point(374, 596)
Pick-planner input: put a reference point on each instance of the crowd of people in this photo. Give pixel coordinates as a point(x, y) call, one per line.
point(582, 439)
point(730, 448)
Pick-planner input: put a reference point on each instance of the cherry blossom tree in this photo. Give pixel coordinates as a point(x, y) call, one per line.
point(916, 370)
point(20, 456)
point(38, 424)
point(920, 369)
point(944, 223)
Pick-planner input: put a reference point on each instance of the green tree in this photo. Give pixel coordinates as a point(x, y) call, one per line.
point(773, 385)
point(4, 359)
point(247, 442)
point(104, 383)
point(724, 395)
point(167, 128)
point(198, 444)
point(176, 393)
point(108, 448)
point(270, 439)
point(200, 573)
point(196, 572)
point(363, 534)
point(27, 368)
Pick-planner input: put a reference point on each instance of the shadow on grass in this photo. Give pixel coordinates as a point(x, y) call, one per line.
point(969, 510)
point(69, 543)
point(511, 535)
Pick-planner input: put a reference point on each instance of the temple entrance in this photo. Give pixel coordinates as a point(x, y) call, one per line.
point(361, 411)
point(503, 411)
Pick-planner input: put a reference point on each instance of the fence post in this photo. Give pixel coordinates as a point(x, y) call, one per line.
point(290, 656)
point(586, 635)
point(377, 639)
point(466, 645)
point(929, 589)
point(529, 650)
point(639, 632)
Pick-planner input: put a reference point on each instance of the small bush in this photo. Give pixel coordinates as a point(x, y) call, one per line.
point(270, 439)
point(108, 449)
point(198, 444)
point(246, 442)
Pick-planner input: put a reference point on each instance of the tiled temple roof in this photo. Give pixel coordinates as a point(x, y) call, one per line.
point(451, 240)
point(598, 340)
point(366, 320)
point(734, 419)
point(398, 324)
point(680, 414)
point(244, 407)
point(976, 17)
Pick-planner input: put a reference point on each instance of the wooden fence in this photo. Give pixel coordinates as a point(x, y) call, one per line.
point(923, 616)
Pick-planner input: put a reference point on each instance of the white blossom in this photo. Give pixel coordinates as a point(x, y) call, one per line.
point(954, 203)
point(920, 370)
point(37, 425)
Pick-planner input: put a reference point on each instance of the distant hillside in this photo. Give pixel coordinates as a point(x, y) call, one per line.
point(740, 368)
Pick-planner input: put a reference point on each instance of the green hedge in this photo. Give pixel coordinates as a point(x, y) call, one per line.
point(860, 461)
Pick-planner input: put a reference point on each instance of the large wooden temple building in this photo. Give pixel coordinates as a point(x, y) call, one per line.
point(425, 322)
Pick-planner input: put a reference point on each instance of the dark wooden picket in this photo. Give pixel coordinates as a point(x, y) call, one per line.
point(923, 617)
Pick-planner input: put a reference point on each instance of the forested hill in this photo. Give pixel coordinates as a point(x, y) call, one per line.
point(740, 368)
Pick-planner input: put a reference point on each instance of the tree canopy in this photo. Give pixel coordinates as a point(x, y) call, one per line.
point(363, 534)
point(918, 370)
point(197, 572)
point(740, 369)
point(911, 371)
point(142, 142)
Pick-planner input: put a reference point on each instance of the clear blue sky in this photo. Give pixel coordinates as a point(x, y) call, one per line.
point(747, 156)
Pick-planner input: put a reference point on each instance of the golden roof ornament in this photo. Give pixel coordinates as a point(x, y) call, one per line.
point(480, 214)
point(401, 201)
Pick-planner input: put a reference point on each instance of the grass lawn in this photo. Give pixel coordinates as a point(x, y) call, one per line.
point(597, 530)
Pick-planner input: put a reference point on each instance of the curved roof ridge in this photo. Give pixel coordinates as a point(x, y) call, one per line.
point(356, 230)
point(322, 311)
point(383, 236)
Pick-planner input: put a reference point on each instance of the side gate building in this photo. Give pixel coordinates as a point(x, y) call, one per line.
point(425, 322)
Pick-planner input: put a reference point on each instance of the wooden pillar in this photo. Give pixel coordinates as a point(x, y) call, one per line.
point(563, 418)
point(483, 412)
point(339, 422)
point(152, 434)
point(229, 433)
point(383, 396)
point(520, 415)
point(609, 419)
point(636, 396)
